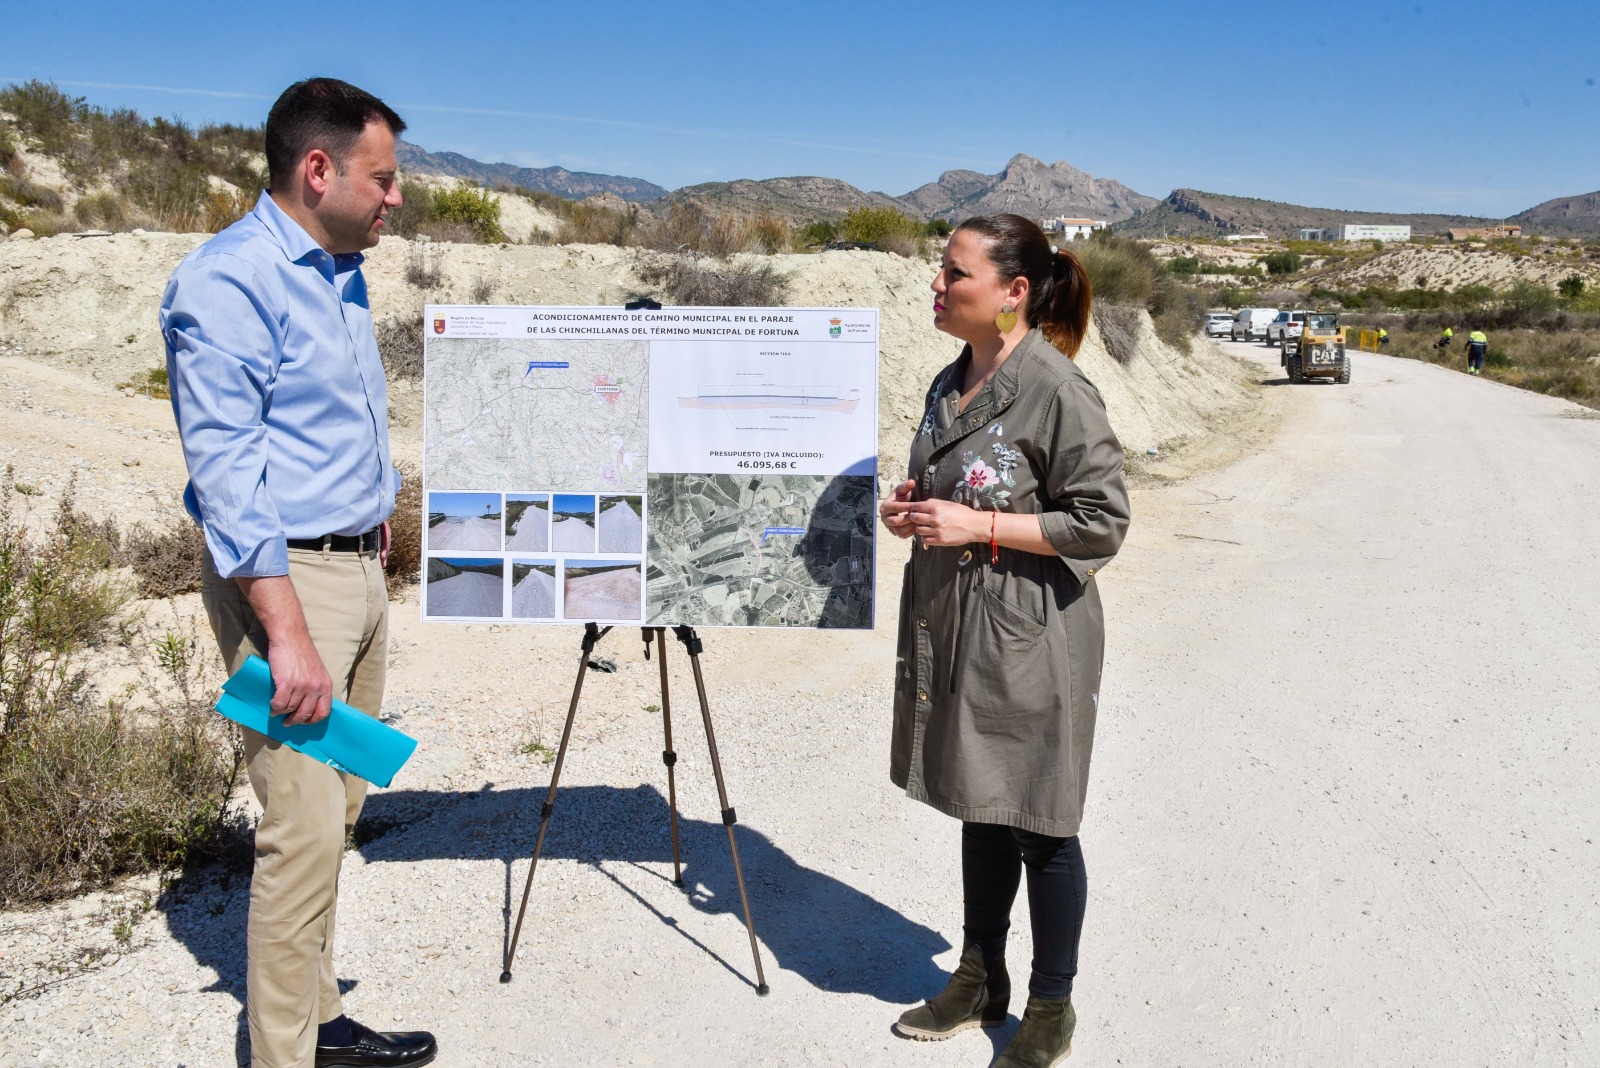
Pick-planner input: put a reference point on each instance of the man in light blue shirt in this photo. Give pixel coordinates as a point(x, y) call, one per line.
point(281, 405)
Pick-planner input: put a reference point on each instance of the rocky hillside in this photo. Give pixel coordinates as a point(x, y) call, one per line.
point(1192, 213)
point(1577, 216)
point(800, 200)
point(574, 185)
point(1028, 187)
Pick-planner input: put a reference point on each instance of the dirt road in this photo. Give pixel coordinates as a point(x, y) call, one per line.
point(1345, 808)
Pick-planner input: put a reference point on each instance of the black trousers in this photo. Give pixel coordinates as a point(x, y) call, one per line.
point(992, 859)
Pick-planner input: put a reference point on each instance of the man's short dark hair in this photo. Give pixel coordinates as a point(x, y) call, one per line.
point(321, 113)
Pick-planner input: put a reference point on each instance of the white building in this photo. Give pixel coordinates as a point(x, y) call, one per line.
point(1071, 229)
point(1365, 232)
point(1246, 237)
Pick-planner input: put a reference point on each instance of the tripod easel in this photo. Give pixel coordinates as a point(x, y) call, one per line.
point(692, 644)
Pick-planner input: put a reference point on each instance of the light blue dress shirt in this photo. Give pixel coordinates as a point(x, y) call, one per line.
point(279, 392)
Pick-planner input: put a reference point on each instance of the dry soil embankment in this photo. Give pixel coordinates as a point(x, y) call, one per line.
point(87, 306)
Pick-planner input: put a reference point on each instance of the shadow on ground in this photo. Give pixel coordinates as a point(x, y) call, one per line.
point(812, 924)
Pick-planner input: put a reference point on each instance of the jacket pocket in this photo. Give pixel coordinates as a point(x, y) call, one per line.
point(1010, 617)
point(1004, 670)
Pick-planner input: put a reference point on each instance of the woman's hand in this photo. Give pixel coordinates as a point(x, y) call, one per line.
point(947, 523)
point(893, 511)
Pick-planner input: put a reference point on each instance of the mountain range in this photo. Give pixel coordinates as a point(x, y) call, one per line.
point(1026, 185)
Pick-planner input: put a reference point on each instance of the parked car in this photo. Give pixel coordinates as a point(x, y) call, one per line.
point(1251, 323)
point(1287, 324)
point(1219, 324)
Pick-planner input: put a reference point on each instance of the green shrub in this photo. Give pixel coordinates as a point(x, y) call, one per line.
point(1122, 271)
point(938, 228)
point(815, 235)
point(166, 562)
point(1571, 288)
point(1530, 298)
point(471, 206)
point(1184, 265)
point(1281, 263)
point(43, 113)
point(884, 228)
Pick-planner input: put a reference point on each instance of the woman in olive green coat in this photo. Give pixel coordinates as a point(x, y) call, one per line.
point(1015, 500)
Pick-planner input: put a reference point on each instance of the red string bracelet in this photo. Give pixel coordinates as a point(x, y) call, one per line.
point(994, 549)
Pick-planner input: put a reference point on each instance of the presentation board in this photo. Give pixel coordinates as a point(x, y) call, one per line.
point(712, 467)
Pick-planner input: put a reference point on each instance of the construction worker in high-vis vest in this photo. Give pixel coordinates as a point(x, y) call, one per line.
point(1383, 337)
point(1477, 348)
point(1444, 339)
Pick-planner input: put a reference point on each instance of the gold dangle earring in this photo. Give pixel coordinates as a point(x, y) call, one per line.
point(1006, 320)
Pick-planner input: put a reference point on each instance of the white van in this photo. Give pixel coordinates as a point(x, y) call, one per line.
point(1251, 323)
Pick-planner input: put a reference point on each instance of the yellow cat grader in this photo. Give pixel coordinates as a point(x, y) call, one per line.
point(1317, 351)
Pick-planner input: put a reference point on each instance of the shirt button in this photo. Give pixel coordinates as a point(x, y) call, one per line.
point(1090, 571)
point(922, 622)
point(923, 696)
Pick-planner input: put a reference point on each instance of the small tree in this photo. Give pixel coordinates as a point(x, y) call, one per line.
point(1571, 288)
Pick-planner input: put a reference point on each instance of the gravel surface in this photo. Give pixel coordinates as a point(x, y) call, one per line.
point(1342, 811)
point(532, 532)
point(467, 594)
point(572, 536)
point(621, 530)
point(477, 534)
point(534, 597)
point(616, 594)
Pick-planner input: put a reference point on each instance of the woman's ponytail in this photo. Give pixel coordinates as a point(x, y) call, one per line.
point(1059, 293)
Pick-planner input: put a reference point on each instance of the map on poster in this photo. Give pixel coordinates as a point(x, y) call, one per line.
point(699, 466)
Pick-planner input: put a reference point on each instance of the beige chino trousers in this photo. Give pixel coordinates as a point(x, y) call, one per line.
point(308, 806)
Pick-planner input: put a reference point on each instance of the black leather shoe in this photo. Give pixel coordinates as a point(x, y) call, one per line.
point(395, 1049)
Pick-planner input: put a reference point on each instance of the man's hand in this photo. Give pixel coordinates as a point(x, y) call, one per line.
point(383, 544)
point(302, 688)
point(894, 511)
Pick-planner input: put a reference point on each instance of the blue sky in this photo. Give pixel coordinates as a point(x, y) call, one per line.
point(1469, 107)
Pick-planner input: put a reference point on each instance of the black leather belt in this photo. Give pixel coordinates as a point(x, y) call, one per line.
point(340, 543)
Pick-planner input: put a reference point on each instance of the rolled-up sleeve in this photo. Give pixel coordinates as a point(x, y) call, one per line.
point(223, 345)
point(1086, 508)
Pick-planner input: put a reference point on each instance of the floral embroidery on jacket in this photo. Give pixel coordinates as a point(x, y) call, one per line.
point(981, 483)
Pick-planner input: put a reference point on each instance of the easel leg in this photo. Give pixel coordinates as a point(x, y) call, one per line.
point(669, 756)
point(591, 637)
point(691, 642)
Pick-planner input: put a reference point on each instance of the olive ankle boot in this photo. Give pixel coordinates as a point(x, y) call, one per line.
point(976, 996)
point(1045, 1037)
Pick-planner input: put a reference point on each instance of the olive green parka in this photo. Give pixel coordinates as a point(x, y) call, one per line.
point(998, 674)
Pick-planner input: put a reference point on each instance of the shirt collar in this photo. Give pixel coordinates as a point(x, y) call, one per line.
point(299, 246)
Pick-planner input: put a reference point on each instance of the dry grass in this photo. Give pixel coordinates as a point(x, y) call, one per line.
point(165, 562)
point(405, 529)
point(422, 265)
point(400, 345)
point(1558, 363)
point(158, 171)
point(686, 278)
point(1119, 330)
point(91, 790)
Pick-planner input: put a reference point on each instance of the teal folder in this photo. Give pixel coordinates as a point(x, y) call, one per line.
point(348, 740)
